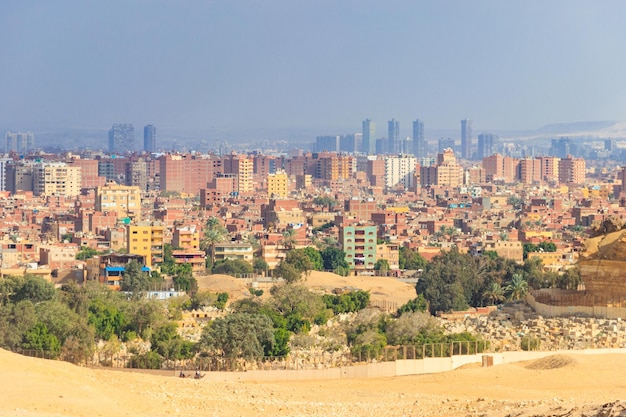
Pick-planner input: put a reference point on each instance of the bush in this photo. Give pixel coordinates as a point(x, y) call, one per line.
point(148, 360)
point(530, 343)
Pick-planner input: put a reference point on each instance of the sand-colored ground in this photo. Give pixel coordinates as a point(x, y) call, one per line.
point(558, 385)
point(382, 289)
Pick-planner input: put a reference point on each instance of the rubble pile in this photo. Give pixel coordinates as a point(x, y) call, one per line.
point(508, 326)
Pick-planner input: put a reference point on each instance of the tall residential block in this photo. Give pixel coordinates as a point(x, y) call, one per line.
point(121, 199)
point(277, 184)
point(243, 167)
point(369, 138)
point(149, 138)
point(419, 143)
point(393, 136)
point(400, 171)
point(486, 145)
point(187, 173)
point(56, 179)
point(327, 143)
point(572, 170)
point(122, 138)
point(3, 177)
point(146, 239)
point(466, 139)
point(359, 245)
point(19, 142)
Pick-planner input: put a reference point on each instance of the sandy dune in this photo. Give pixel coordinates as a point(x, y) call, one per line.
point(571, 385)
point(382, 289)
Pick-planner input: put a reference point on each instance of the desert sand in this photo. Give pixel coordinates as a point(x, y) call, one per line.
point(572, 385)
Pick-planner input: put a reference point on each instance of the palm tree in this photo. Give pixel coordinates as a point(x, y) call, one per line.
point(517, 288)
point(213, 233)
point(289, 239)
point(494, 293)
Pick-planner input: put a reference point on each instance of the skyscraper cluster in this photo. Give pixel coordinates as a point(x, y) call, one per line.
point(122, 138)
point(394, 143)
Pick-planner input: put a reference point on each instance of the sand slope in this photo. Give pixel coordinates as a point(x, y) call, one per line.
point(571, 385)
point(382, 289)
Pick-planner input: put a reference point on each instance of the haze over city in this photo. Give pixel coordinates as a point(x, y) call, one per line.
point(313, 67)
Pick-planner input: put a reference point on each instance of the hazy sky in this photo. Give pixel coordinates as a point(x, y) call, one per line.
point(324, 64)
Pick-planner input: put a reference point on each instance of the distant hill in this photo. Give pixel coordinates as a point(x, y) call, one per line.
point(575, 127)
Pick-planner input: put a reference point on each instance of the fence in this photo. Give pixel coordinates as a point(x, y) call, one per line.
point(294, 361)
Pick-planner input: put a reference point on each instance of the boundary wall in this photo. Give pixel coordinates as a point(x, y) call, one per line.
point(550, 310)
point(402, 367)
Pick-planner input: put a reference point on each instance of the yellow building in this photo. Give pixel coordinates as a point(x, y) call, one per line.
point(56, 179)
point(146, 239)
point(123, 199)
point(277, 184)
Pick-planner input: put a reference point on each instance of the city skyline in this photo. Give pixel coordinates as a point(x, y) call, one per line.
point(279, 65)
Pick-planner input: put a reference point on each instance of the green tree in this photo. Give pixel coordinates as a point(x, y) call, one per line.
point(38, 338)
point(299, 259)
point(570, 279)
point(287, 272)
point(291, 299)
point(259, 264)
point(239, 335)
point(212, 234)
point(86, 252)
point(232, 267)
point(517, 288)
point(413, 328)
point(446, 282)
point(417, 304)
point(547, 246)
point(134, 280)
point(315, 257)
point(35, 289)
point(382, 265)
point(289, 239)
point(15, 320)
point(494, 293)
point(410, 259)
point(169, 344)
point(221, 300)
point(334, 258)
point(350, 302)
point(106, 318)
point(144, 316)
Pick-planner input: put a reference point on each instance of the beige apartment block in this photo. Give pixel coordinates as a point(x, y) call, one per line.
point(122, 199)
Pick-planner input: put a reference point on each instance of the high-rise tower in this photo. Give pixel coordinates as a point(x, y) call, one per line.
point(393, 139)
point(486, 145)
point(122, 138)
point(149, 138)
point(369, 138)
point(419, 144)
point(466, 139)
